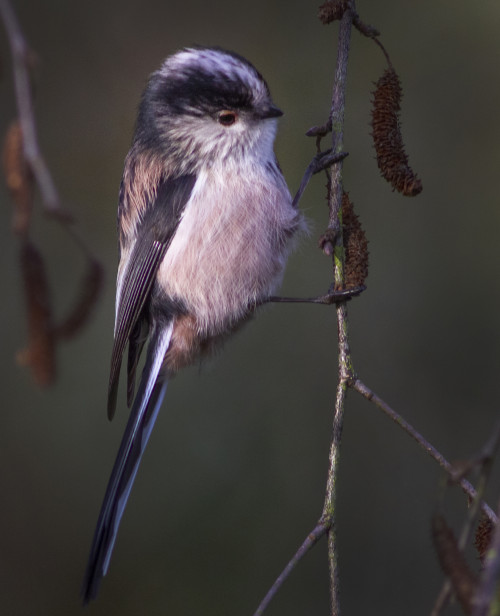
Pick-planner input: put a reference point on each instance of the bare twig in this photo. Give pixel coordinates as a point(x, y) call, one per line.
point(312, 538)
point(442, 599)
point(484, 460)
point(22, 62)
point(466, 486)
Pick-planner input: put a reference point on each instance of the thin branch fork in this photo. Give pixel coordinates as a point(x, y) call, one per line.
point(450, 470)
point(485, 588)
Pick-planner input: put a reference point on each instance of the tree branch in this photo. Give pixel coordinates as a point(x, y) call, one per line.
point(335, 247)
point(312, 538)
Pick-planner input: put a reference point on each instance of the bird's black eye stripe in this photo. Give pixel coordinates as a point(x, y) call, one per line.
point(227, 118)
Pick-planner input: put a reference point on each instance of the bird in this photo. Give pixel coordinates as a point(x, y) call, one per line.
point(206, 224)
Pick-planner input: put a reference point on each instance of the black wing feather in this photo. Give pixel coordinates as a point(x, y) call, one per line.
point(137, 283)
point(153, 237)
point(136, 343)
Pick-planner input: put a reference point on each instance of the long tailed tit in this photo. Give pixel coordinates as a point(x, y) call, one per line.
point(205, 221)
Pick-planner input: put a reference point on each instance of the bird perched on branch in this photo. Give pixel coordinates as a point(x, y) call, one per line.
point(205, 221)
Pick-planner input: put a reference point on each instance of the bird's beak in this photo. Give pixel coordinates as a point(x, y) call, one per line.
point(270, 112)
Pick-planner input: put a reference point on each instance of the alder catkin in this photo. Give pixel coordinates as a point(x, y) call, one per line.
point(40, 354)
point(483, 536)
point(355, 246)
point(332, 10)
point(453, 563)
point(387, 138)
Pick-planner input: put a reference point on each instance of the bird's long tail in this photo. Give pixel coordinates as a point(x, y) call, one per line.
point(140, 424)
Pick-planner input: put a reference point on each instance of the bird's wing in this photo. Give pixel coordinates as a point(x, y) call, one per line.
point(153, 236)
point(142, 417)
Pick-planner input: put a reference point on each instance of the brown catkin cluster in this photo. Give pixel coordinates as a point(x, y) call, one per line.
point(40, 354)
point(483, 536)
point(389, 147)
point(453, 563)
point(332, 10)
point(355, 246)
point(43, 334)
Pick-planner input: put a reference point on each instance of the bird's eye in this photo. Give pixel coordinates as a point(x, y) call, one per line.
point(227, 118)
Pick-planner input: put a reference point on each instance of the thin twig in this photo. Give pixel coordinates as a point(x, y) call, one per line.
point(466, 486)
point(442, 599)
point(485, 593)
point(485, 461)
point(336, 120)
point(312, 538)
point(22, 57)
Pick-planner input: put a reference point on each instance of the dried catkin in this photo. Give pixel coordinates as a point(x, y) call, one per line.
point(355, 246)
point(389, 147)
point(453, 563)
point(40, 354)
point(332, 10)
point(483, 536)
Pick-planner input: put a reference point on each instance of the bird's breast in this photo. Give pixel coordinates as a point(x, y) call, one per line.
point(230, 247)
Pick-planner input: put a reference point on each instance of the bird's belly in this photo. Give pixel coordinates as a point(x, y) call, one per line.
point(228, 253)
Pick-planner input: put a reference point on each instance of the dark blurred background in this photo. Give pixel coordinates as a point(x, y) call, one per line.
point(234, 476)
